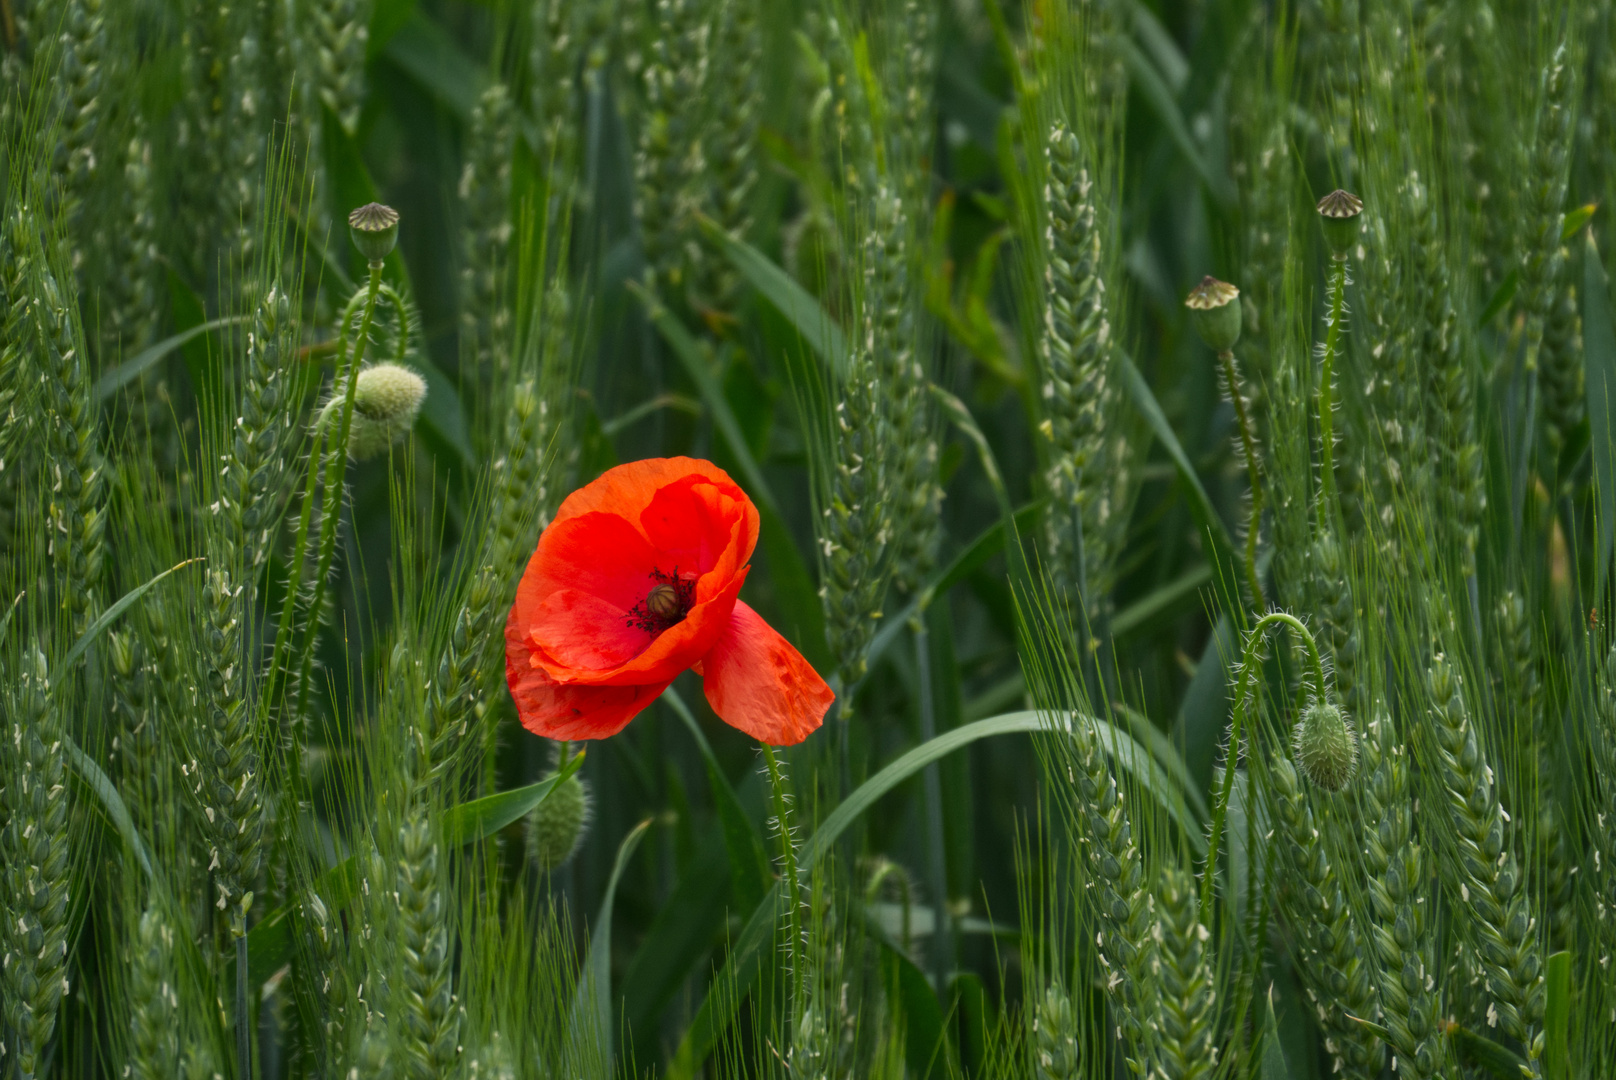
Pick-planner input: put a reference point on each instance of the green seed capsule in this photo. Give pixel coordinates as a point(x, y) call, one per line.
point(1325, 747)
point(1339, 211)
point(374, 229)
point(1215, 307)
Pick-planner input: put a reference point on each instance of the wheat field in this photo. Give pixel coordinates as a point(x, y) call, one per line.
point(818, 539)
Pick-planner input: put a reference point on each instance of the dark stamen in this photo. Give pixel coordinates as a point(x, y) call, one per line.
point(665, 605)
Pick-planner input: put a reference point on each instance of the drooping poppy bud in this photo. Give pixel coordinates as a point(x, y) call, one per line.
point(1215, 308)
point(555, 828)
point(374, 229)
point(1338, 211)
point(386, 402)
point(1325, 746)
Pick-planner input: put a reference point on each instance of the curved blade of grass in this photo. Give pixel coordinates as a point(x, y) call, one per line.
point(1478, 1051)
point(979, 551)
point(269, 944)
point(1273, 1054)
point(98, 781)
point(110, 616)
point(779, 288)
point(1599, 357)
point(1159, 96)
point(1206, 516)
point(128, 371)
point(1557, 1018)
point(481, 818)
point(695, 364)
point(592, 1004)
point(741, 967)
point(748, 859)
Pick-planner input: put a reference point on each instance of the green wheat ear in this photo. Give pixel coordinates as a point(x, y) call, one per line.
point(35, 875)
point(1055, 1031)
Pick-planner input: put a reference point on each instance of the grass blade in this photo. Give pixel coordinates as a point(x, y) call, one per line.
point(1206, 516)
point(110, 616)
point(481, 818)
point(776, 286)
point(592, 1005)
point(130, 370)
point(741, 967)
point(1599, 354)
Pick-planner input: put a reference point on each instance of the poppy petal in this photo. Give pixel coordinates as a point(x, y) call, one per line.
point(694, 523)
point(598, 553)
point(578, 629)
point(629, 488)
point(554, 711)
point(758, 682)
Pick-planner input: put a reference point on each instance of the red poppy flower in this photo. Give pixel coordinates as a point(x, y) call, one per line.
point(636, 580)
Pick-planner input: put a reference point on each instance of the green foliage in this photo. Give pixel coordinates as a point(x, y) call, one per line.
point(913, 272)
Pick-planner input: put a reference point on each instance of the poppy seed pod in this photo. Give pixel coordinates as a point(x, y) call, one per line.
point(1325, 746)
point(374, 229)
point(557, 825)
point(1338, 211)
point(386, 402)
point(1214, 305)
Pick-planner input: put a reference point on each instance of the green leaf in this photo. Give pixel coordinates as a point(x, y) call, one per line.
point(426, 52)
point(269, 944)
point(1206, 516)
point(695, 364)
point(748, 859)
point(481, 818)
point(1599, 358)
point(131, 369)
point(1500, 298)
point(1273, 1054)
point(1159, 96)
point(592, 1003)
point(776, 286)
point(1577, 219)
point(979, 551)
point(110, 616)
point(741, 967)
point(98, 782)
point(1162, 599)
point(1478, 1051)
point(923, 1047)
point(1557, 1018)
point(1205, 707)
point(189, 313)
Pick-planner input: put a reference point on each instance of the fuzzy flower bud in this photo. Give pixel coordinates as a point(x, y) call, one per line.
point(1338, 212)
point(374, 229)
point(1325, 746)
point(1215, 309)
point(386, 402)
point(557, 825)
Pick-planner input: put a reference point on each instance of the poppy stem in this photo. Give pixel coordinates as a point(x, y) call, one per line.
point(789, 885)
point(336, 461)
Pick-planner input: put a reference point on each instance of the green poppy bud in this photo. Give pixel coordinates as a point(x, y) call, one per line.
point(386, 402)
point(1215, 307)
point(374, 229)
point(1325, 746)
point(1339, 211)
point(557, 825)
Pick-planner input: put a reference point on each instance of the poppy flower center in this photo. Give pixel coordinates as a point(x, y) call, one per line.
point(665, 605)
